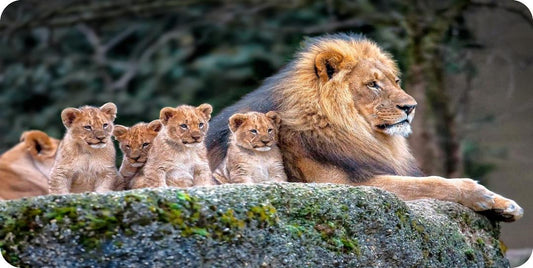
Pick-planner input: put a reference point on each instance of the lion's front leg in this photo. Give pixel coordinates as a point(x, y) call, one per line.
point(463, 191)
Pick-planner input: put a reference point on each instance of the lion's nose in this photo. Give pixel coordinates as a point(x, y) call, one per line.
point(408, 109)
point(265, 141)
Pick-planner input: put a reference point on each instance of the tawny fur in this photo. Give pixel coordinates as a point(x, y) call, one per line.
point(178, 156)
point(85, 160)
point(135, 144)
point(24, 168)
point(344, 120)
point(253, 154)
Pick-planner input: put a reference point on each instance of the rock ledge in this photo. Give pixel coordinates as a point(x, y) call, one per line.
point(274, 225)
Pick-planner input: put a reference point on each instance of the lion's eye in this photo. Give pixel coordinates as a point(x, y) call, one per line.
point(398, 81)
point(87, 127)
point(145, 144)
point(269, 130)
point(127, 146)
point(106, 125)
point(201, 125)
point(254, 131)
point(372, 84)
point(184, 126)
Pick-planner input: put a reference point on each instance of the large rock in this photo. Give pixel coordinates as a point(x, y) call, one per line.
point(291, 225)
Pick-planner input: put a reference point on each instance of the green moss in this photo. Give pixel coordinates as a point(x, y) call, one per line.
point(469, 253)
point(99, 223)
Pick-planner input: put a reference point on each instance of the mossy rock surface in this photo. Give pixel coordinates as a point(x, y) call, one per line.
point(274, 225)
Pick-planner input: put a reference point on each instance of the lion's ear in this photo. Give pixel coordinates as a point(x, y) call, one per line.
point(155, 125)
point(236, 120)
point(328, 64)
point(119, 131)
point(38, 143)
point(68, 115)
point(166, 113)
point(205, 109)
point(110, 109)
point(275, 117)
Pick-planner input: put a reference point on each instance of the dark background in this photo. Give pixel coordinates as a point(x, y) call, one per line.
point(467, 63)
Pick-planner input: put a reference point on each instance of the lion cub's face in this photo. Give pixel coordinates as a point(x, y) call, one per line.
point(380, 99)
point(255, 131)
point(136, 141)
point(93, 126)
point(186, 124)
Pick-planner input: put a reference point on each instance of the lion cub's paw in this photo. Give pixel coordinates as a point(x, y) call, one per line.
point(497, 207)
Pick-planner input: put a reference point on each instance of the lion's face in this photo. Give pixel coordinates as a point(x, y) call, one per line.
point(186, 124)
point(379, 98)
point(89, 124)
point(136, 141)
point(255, 131)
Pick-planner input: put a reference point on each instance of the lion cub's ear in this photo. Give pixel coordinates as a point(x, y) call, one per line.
point(205, 109)
point(119, 131)
point(38, 143)
point(155, 125)
point(110, 109)
point(275, 117)
point(327, 64)
point(68, 115)
point(166, 113)
point(236, 120)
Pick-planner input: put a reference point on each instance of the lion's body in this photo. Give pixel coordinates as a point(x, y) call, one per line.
point(25, 168)
point(178, 157)
point(85, 160)
point(253, 154)
point(344, 120)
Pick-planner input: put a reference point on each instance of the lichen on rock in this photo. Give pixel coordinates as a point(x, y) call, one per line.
point(267, 225)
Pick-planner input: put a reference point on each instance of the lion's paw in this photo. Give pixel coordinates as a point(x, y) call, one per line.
point(497, 207)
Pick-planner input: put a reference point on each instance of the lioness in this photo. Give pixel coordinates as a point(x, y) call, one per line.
point(24, 168)
point(253, 153)
point(344, 120)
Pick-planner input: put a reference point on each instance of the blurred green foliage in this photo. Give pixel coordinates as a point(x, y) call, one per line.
point(207, 52)
point(145, 55)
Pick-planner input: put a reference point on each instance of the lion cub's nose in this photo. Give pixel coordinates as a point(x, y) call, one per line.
point(196, 137)
point(265, 142)
point(100, 135)
point(407, 108)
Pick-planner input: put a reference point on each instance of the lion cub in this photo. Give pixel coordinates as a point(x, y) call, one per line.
point(178, 156)
point(135, 143)
point(85, 160)
point(253, 154)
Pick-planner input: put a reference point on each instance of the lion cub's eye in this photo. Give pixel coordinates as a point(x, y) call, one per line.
point(127, 146)
point(373, 84)
point(183, 126)
point(269, 130)
point(254, 131)
point(145, 144)
point(87, 127)
point(106, 125)
point(201, 125)
point(398, 81)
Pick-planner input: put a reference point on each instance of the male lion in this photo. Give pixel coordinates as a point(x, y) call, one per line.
point(344, 120)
